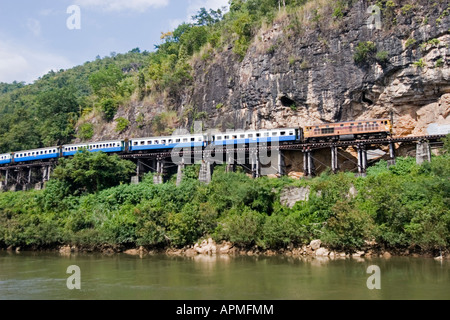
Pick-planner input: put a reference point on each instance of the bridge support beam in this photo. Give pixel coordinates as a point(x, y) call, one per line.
point(334, 159)
point(159, 176)
point(391, 161)
point(135, 179)
point(256, 165)
point(423, 152)
point(281, 164)
point(309, 168)
point(362, 160)
point(205, 175)
point(231, 164)
point(180, 171)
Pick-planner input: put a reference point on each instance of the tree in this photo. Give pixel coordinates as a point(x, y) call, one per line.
point(58, 110)
point(105, 82)
point(89, 172)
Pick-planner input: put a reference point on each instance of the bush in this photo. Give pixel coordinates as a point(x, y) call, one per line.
point(122, 124)
point(364, 51)
point(242, 227)
point(348, 228)
point(86, 131)
point(382, 56)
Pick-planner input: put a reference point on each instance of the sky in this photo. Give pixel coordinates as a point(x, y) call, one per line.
point(37, 36)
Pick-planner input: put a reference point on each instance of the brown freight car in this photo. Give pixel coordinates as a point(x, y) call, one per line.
point(349, 130)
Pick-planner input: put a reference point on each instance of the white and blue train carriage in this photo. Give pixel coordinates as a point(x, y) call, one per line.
point(5, 158)
point(107, 146)
point(256, 136)
point(158, 143)
point(72, 149)
point(37, 154)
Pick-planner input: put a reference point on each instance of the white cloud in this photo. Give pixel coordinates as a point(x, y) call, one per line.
point(19, 63)
point(121, 5)
point(195, 5)
point(34, 26)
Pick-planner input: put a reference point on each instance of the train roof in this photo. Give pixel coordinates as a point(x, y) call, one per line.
point(169, 137)
point(34, 150)
point(354, 121)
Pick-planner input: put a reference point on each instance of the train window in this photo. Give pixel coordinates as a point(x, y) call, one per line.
point(266, 134)
point(150, 142)
point(274, 134)
point(291, 133)
point(250, 135)
point(192, 139)
point(163, 141)
point(234, 137)
point(200, 139)
point(170, 141)
point(185, 140)
point(178, 140)
point(156, 141)
point(282, 133)
point(218, 138)
point(226, 137)
point(327, 130)
point(142, 143)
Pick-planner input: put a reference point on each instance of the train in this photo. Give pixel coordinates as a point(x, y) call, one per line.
point(340, 131)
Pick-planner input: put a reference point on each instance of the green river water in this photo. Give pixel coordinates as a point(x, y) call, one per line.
point(43, 276)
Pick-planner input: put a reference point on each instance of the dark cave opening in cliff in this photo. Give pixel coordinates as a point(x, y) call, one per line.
point(286, 102)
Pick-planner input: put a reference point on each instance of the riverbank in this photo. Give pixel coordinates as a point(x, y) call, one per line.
point(209, 247)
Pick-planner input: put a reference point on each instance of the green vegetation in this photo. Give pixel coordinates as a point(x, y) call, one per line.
point(407, 8)
point(439, 63)
point(122, 124)
point(46, 112)
point(403, 206)
point(382, 56)
point(364, 51)
point(86, 131)
point(410, 43)
point(420, 63)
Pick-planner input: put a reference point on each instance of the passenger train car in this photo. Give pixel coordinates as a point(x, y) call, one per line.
point(350, 130)
point(258, 136)
point(160, 143)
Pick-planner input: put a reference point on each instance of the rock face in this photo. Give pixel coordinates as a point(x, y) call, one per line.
point(289, 79)
point(291, 195)
point(315, 244)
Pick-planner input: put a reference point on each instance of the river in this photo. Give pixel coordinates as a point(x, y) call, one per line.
point(44, 276)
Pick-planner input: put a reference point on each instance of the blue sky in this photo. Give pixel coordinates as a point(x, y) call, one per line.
point(35, 38)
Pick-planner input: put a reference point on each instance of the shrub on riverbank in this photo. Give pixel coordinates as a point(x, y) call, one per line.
point(403, 206)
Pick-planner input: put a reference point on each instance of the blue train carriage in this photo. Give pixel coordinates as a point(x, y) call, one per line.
point(113, 146)
point(5, 158)
point(160, 143)
point(37, 154)
point(257, 136)
point(72, 149)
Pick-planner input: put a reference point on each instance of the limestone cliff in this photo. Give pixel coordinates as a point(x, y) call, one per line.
point(303, 69)
point(300, 79)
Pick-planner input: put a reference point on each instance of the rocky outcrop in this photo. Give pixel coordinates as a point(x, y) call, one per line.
point(291, 195)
